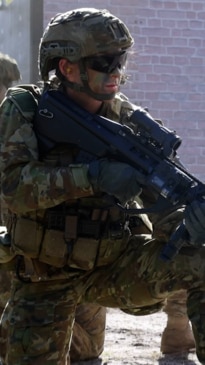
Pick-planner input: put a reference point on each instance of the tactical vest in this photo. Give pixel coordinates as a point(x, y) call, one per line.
point(80, 234)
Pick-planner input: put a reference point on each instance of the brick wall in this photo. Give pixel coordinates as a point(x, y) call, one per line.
point(167, 67)
point(170, 77)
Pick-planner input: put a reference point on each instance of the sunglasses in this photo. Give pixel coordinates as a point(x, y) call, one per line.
point(106, 63)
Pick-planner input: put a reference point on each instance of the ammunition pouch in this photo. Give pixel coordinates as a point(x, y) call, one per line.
point(69, 239)
point(27, 236)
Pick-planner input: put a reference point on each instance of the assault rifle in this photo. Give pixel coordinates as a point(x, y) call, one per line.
point(144, 144)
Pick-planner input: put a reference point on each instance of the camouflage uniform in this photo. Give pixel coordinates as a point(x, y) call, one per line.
point(51, 278)
point(88, 330)
point(9, 73)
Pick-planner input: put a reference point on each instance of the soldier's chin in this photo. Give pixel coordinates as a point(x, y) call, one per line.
point(109, 97)
point(110, 92)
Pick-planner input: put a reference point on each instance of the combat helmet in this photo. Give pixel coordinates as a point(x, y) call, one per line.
point(9, 70)
point(79, 34)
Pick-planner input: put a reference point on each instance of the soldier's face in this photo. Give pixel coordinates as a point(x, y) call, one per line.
point(99, 82)
point(102, 80)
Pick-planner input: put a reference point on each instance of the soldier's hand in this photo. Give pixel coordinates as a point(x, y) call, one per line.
point(195, 222)
point(114, 178)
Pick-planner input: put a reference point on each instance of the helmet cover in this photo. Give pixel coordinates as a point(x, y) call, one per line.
point(81, 33)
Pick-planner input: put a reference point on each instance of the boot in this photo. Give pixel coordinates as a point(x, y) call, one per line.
point(177, 336)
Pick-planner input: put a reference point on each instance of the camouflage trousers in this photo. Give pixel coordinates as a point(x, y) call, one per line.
point(37, 323)
point(88, 330)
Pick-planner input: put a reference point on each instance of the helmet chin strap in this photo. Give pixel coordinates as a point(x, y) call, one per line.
point(85, 86)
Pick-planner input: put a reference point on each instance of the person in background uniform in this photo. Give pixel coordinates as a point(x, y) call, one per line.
point(71, 244)
point(9, 73)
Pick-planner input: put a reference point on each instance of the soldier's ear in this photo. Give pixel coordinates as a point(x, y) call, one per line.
point(65, 67)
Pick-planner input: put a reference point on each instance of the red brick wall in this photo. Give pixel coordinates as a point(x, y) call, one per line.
point(167, 69)
point(170, 39)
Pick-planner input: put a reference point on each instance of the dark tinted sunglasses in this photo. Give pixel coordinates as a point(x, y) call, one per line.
point(106, 63)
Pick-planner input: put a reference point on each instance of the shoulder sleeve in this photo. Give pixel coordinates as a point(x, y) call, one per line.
point(26, 183)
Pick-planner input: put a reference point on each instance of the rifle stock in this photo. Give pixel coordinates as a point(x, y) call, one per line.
point(146, 145)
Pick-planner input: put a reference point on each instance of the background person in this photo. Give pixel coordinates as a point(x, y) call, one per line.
point(9, 73)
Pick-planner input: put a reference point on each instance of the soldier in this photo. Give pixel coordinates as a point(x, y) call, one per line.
point(72, 240)
point(9, 72)
point(89, 328)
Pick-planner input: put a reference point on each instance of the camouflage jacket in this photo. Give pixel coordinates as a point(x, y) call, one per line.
point(31, 186)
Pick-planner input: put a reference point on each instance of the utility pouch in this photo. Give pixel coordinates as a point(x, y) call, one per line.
point(54, 249)
point(33, 241)
point(50, 246)
point(84, 253)
point(27, 238)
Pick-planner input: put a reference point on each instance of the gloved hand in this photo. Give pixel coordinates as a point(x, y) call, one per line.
point(114, 178)
point(195, 222)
